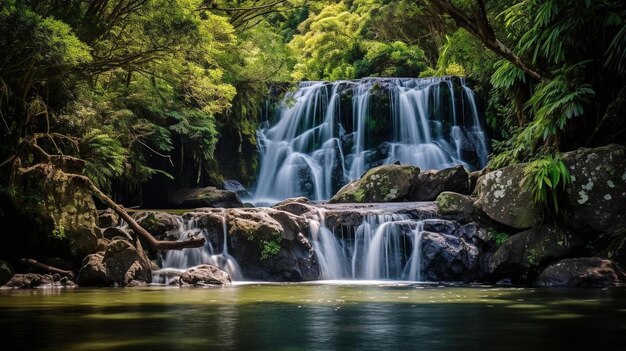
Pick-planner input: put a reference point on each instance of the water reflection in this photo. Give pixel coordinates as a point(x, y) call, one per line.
point(312, 317)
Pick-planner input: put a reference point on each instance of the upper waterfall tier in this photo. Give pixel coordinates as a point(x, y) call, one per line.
point(329, 133)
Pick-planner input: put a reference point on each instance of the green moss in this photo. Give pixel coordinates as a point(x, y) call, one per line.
point(270, 248)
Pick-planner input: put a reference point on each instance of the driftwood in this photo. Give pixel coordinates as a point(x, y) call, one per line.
point(45, 268)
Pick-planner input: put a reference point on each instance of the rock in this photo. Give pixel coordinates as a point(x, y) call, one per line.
point(32, 281)
point(582, 272)
point(432, 183)
point(473, 178)
point(616, 248)
point(112, 232)
point(204, 197)
point(522, 255)
point(388, 183)
point(268, 244)
point(448, 258)
point(6, 271)
point(502, 196)
point(120, 263)
point(297, 206)
point(440, 226)
point(596, 199)
point(204, 275)
point(236, 187)
point(61, 207)
point(108, 218)
point(162, 225)
point(455, 205)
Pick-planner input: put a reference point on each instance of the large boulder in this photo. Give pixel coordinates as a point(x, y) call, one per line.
point(522, 255)
point(297, 206)
point(502, 196)
point(432, 183)
point(204, 197)
point(269, 244)
point(60, 205)
point(38, 281)
point(582, 272)
point(388, 183)
point(596, 199)
point(204, 275)
point(6, 271)
point(455, 205)
point(120, 264)
point(616, 248)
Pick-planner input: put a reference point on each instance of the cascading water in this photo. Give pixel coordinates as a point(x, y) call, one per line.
point(382, 247)
point(328, 134)
point(177, 261)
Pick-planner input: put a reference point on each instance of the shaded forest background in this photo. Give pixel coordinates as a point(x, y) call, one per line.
point(164, 94)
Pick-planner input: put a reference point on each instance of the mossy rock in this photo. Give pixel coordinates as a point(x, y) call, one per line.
point(455, 204)
point(388, 183)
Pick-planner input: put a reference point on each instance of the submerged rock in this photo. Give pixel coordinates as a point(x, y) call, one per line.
point(502, 196)
point(388, 183)
point(582, 272)
point(38, 281)
point(204, 275)
point(204, 197)
point(596, 199)
point(432, 183)
point(119, 264)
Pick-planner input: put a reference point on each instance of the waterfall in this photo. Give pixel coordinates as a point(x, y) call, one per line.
point(177, 261)
point(329, 133)
point(382, 247)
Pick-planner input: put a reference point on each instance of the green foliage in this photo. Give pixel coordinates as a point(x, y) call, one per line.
point(59, 233)
point(104, 157)
point(546, 178)
point(270, 248)
point(498, 237)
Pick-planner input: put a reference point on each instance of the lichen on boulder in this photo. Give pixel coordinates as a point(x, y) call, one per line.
point(502, 196)
point(388, 183)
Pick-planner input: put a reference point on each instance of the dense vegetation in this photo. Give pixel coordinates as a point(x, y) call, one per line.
point(170, 92)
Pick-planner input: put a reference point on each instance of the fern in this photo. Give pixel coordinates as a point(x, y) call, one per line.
point(104, 157)
point(546, 178)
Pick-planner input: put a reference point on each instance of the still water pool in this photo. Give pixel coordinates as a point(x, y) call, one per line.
point(313, 316)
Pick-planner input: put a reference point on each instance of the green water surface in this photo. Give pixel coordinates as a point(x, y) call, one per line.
point(380, 316)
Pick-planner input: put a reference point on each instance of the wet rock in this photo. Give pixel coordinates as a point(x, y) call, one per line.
point(108, 218)
point(448, 258)
point(204, 197)
point(38, 281)
point(441, 226)
point(236, 187)
point(119, 264)
point(297, 206)
point(522, 255)
point(502, 196)
point(6, 271)
point(432, 183)
point(596, 199)
point(113, 232)
point(388, 183)
point(204, 275)
point(455, 205)
point(269, 244)
point(582, 272)
point(162, 225)
point(616, 248)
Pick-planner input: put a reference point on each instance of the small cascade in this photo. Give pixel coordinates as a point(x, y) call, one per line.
point(329, 133)
point(384, 246)
point(177, 261)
